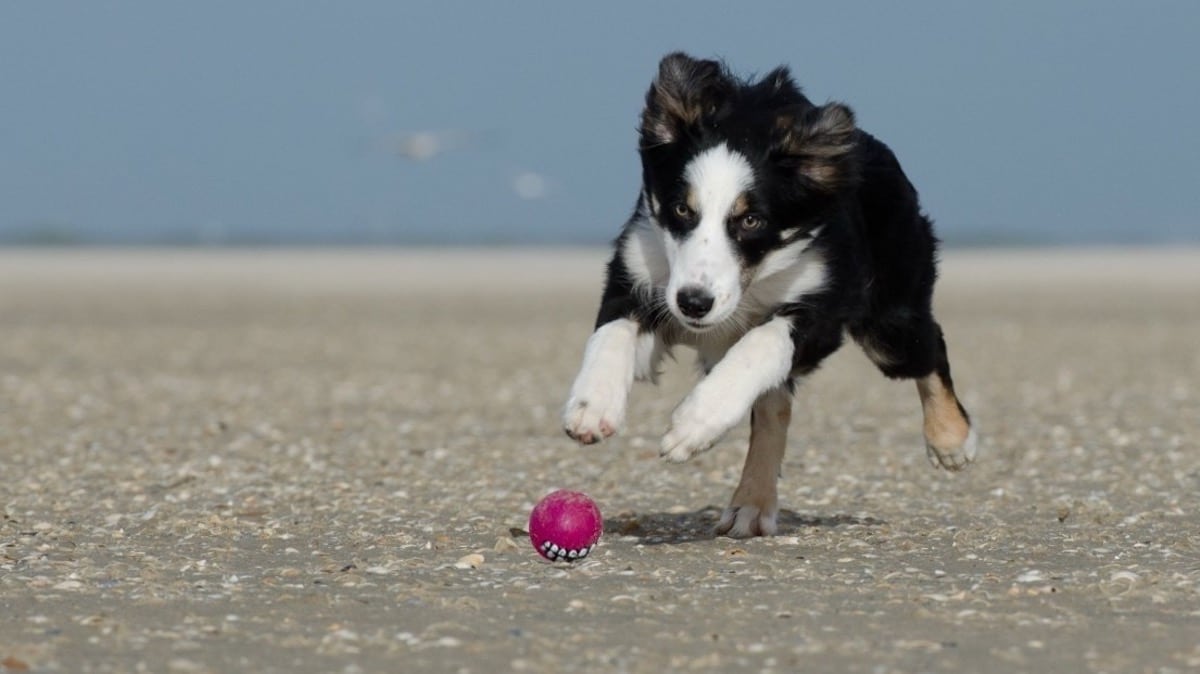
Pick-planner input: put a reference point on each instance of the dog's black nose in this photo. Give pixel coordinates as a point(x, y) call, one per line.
point(694, 301)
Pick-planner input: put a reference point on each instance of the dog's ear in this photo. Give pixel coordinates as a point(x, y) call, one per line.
point(819, 144)
point(685, 92)
point(781, 81)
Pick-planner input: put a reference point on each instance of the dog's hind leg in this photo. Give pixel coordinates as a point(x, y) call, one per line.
point(950, 441)
point(911, 346)
point(755, 505)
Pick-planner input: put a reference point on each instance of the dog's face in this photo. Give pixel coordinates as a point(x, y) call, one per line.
point(736, 176)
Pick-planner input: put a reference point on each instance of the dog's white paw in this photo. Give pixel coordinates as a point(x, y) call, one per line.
point(754, 508)
point(594, 412)
point(695, 427)
point(747, 521)
point(596, 407)
point(679, 445)
point(953, 458)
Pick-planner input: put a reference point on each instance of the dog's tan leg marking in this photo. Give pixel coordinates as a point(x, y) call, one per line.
point(949, 439)
point(755, 505)
point(756, 363)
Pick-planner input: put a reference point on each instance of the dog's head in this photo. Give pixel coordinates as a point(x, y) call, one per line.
point(737, 175)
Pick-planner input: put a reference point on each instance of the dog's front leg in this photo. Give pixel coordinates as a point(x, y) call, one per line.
point(596, 406)
point(755, 505)
point(758, 362)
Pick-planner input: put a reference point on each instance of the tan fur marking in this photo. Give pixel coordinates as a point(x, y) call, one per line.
point(823, 141)
point(945, 426)
point(823, 174)
point(747, 276)
point(768, 440)
point(686, 110)
point(740, 206)
point(692, 201)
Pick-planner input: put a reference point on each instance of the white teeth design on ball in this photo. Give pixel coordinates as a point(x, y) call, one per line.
point(564, 555)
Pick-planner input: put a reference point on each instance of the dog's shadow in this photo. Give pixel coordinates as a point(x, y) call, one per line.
point(670, 528)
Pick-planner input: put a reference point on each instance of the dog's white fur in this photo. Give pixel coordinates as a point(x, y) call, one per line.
point(660, 265)
point(746, 359)
point(596, 406)
point(755, 364)
point(705, 257)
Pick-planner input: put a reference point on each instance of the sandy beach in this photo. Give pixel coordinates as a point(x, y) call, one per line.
point(286, 460)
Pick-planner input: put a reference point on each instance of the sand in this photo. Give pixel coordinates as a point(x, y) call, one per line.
point(299, 461)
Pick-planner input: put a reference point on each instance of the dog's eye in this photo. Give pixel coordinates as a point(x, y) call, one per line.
point(682, 211)
point(751, 222)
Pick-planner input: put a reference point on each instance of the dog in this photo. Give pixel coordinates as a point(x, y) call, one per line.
point(766, 229)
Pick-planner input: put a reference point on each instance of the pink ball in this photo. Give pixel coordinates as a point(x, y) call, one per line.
point(565, 526)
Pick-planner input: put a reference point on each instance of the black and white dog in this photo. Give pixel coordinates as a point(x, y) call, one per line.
point(767, 227)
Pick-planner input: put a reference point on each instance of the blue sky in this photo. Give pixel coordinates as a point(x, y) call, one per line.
point(247, 121)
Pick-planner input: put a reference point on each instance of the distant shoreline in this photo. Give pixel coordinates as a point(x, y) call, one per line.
point(536, 269)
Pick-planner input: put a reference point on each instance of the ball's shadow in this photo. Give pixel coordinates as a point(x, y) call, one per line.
point(669, 528)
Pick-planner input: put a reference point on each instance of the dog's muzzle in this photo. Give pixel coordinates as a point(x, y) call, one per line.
point(694, 302)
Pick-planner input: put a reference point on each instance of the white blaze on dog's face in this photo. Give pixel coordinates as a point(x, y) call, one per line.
point(737, 179)
point(704, 285)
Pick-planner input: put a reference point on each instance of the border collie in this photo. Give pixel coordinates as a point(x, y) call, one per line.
point(767, 228)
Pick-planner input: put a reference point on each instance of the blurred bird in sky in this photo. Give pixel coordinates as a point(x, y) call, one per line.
point(425, 145)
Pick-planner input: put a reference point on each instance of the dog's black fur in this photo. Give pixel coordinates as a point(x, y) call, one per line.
point(817, 170)
point(764, 214)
